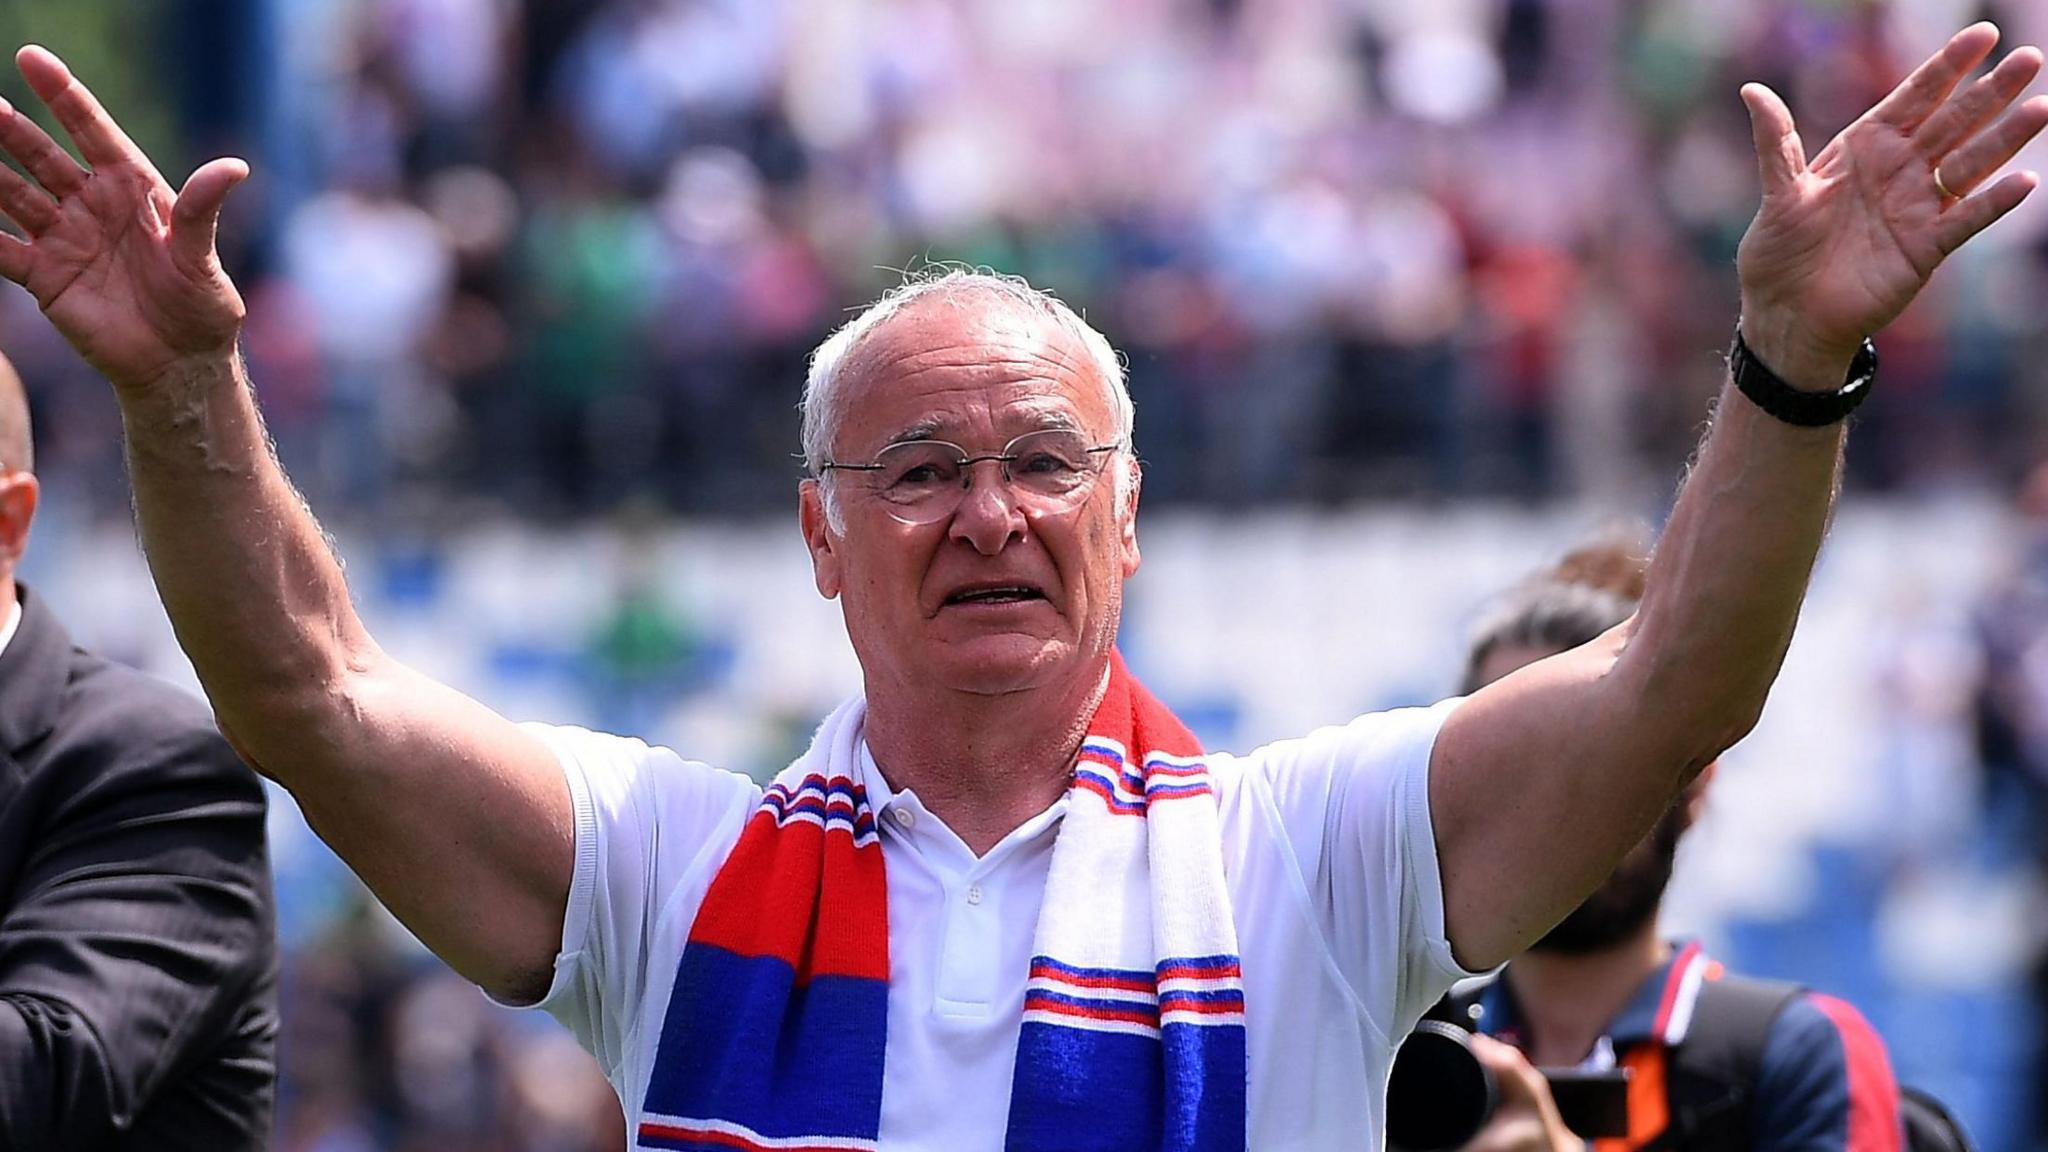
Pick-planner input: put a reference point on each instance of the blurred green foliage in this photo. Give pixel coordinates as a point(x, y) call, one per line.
point(112, 45)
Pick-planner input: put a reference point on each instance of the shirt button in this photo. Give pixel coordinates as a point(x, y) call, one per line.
point(904, 816)
point(974, 895)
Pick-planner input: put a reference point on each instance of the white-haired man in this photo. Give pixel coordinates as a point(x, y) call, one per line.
point(1004, 899)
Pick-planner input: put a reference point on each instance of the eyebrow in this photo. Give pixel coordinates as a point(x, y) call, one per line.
point(930, 429)
point(926, 430)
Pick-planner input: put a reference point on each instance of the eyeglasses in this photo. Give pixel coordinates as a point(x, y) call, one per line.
point(923, 481)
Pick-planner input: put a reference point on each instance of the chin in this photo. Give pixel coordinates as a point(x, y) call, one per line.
point(993, 665)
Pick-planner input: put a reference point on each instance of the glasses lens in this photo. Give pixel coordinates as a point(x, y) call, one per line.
point(918, 474)
point(1054, 467)
point(922, 480)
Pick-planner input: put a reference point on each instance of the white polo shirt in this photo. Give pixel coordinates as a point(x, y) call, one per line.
point(1327, 852)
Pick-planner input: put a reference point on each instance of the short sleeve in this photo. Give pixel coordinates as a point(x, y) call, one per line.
point(1353, 803)
point(651, 830)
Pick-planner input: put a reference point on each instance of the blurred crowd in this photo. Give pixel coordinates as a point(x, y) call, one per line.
point(563, 256)
point(566, 258)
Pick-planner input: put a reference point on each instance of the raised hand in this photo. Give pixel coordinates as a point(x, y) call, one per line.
point(1844, 242)
point(124, 267)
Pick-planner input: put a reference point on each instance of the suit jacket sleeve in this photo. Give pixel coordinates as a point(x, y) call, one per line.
point(141, 923)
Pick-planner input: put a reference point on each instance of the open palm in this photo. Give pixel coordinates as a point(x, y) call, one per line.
point(1843, 243)
point(123, 267)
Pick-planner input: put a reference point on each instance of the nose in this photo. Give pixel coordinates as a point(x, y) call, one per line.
point(988, 517)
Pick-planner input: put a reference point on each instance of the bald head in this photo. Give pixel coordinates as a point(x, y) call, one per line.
point(17, 448)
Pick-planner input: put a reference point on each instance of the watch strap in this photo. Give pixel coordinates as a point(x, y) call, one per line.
point(1768, 391)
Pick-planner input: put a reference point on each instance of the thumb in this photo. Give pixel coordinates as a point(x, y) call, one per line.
point(195, 217)
point(1526, 1119)
point(1519, 1083)
point(1780, 157)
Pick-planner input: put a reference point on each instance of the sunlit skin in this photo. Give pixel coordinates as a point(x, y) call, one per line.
point(1566, 1000)
point(1569, 999)
point(1011, 683)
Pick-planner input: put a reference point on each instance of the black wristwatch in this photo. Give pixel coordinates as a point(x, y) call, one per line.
point(1794, 405)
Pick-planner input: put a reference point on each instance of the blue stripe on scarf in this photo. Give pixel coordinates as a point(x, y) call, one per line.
point(1205, 1103)
point(1081, 1069)
point(681, 1143)
point(740, 1043)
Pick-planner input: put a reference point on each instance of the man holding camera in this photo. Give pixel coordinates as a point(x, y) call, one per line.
point(1713, 1061)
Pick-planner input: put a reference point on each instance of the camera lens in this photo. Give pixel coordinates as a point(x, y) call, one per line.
point(1439, 1095)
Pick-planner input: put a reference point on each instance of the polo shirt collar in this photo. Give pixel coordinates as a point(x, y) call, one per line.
point(903, 811)
point(888, 805)
point(1661, 1008)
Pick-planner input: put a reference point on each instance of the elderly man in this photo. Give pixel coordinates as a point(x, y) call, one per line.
point(1005, 899)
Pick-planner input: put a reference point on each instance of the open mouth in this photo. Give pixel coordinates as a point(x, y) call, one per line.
point(995, 594)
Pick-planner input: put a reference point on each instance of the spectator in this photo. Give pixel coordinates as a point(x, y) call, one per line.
point(138, 959)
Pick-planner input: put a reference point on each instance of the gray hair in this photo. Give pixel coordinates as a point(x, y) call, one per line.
point(824, 403)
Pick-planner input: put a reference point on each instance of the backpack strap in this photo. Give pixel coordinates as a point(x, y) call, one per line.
point(1711, 1075)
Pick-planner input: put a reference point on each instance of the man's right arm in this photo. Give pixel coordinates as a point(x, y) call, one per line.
point(460, 822)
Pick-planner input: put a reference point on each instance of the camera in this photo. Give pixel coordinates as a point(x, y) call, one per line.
point(1439, 1095)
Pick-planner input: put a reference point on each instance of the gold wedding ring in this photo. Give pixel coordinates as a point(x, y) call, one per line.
point(1943, 188)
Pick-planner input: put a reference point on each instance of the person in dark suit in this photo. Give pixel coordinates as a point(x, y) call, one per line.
point(138, 955)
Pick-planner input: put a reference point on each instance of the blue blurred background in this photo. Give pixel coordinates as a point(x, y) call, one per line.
point(1415, 297)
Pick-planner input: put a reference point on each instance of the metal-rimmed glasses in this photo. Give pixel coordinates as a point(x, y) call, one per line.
point(923, 481)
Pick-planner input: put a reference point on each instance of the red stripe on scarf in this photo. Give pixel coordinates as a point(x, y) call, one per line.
point(781, 917)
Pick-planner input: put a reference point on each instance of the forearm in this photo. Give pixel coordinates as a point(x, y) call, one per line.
point(457, 820)
point(1599, 739)
point(253, 589)
point(1727, 579)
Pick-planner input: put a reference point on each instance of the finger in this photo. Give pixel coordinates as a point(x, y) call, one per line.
point(24, 203)
point(99, 139)
point(1780, 157)
point(1975, 161)
point(25, 140)
point(1981, 211)
point(15, 258)
point(1960, 118)
point(1511, 1070)
point(1918, 95)
point(195, 216)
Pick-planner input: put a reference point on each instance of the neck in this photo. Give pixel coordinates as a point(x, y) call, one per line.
point(1566, 1002)
point(983, 764)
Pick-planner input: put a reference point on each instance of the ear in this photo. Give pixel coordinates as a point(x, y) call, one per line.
point(1127, 528)
point(19, 495)
point(817, 528)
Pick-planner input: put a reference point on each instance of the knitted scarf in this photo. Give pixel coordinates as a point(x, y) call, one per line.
point(1133, 1034)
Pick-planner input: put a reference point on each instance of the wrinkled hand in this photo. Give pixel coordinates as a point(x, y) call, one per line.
point(123, 267)
point(1525, 1119)
point(1843, 243)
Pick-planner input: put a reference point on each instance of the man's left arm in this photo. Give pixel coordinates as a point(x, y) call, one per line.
point(140, 926)
point(1542, 781)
